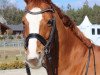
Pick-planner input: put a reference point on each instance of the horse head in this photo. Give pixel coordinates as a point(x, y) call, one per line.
point(38, 24)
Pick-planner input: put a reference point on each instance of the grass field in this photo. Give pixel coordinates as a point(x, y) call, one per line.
point(8, 54)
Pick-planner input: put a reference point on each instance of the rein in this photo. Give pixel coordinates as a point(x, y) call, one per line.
point(90, 47)
point(47, 44)
point(88, 61)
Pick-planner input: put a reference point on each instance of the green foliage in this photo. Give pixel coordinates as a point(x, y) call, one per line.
point(13, 15)
point(19, 37)
point(6, 57)
point(10, 37)
point(2, 37)
point(16, 58)
point(10, 12)
point(79, 14)
point(3, 66)
point(12, 65)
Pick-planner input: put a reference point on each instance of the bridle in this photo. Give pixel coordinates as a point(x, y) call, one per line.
point(47, 44)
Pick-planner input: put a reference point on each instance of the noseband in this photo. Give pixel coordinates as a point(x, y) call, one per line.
point(47, 44)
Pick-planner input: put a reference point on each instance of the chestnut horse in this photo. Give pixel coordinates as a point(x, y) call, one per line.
point(46, 34)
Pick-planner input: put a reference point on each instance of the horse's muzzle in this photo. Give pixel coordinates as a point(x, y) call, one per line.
point(35, 62)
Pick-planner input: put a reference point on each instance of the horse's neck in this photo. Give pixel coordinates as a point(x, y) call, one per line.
point(71, 49)
point(69, 23)
point(71, 52)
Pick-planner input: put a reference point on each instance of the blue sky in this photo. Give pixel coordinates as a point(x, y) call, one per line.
point(74, 3)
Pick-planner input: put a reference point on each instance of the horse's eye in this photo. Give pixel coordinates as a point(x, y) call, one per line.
point(23, 22)
point(50, 22)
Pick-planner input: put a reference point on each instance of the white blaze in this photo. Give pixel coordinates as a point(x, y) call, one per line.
point(34, 24)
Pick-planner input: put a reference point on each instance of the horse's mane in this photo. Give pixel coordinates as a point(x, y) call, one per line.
point(69, 23)
point(66, 21)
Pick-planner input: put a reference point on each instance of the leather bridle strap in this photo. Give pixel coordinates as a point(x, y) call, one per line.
point(40, 12)
point(37, 36)
point(47, 48)
point(47, 45)
point(88, 61)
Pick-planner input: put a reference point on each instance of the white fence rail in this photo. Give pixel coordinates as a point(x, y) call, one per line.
point(17, 43)
point(11, 47)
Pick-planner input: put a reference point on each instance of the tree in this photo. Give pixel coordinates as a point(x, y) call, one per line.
point(4, 4)
point(13, 15)
point(10, 12)
point(69, 7)
point(79, 14)
point(96, 14)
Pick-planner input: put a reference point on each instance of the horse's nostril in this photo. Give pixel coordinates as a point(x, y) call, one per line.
point(33, 61)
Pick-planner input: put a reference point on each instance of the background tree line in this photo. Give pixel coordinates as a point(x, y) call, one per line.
point(10, 12)
point(13, 15)
point(79, 14)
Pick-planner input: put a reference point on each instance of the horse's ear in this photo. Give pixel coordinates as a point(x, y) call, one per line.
point(27, 1)
point(49, 1)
